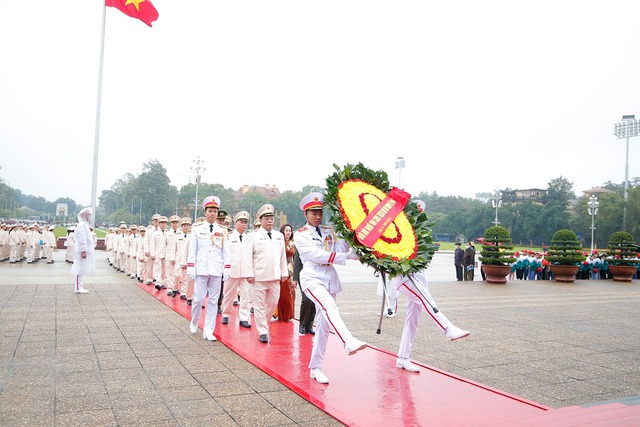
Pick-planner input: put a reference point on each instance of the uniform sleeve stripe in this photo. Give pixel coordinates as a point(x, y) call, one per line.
point(190, 264)
point(332, 257)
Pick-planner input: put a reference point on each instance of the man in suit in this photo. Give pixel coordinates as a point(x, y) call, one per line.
point(319, 249)
point(458, 261)
point(207, 262)
point(265, 265)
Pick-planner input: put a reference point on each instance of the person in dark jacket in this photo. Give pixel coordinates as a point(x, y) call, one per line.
point(458, 260)
point(469, 261)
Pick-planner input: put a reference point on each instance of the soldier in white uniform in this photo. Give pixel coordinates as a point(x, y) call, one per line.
point(142, 246)
point(70, 244)
point(264, 266)
point(122, 244)
point(4, 243)
point(170, 255)
point(49, 244)
point(132, 250)
point(237, 282)
point(208, 263)
point(148, 274)
point(319, 249)
point(180, 259)
point(158, 250)
point(31, 244)
point(416, 289)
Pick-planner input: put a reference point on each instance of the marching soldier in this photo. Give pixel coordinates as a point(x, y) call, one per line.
point(142, 247)
point(132, 251)
point(49, 243)
point(158, 250)
point(71, 244)
point(319, 249)
point(208, 263)
point(170, 255)
point(181, 261)
point(265, 265)
point(155, 225)
point(236, 281)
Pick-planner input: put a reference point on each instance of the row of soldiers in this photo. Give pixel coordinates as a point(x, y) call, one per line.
point(30, 243)
point(157, 254)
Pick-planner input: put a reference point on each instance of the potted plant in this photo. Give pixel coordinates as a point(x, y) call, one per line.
point(623, 256)
point(497, 254)
point(565, 255)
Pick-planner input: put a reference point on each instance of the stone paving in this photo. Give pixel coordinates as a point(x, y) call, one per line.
point(117, 356)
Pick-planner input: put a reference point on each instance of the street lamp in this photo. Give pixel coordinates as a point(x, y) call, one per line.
point(496, 202)
point(593, 211)
point(198, 166)
point(132, 200)
point(400, 164)
point(628, 128)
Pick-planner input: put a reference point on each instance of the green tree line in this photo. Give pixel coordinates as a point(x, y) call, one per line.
point(135, 198)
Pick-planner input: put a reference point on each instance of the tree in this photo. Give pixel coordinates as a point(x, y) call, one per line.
point(560, 189)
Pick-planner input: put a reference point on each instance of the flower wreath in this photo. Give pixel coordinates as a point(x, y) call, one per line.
point(404, 247)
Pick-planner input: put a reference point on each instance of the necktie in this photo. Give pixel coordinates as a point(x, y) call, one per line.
point(318, 230)
point(269, 233)
point(241, 237)
point(211, 228)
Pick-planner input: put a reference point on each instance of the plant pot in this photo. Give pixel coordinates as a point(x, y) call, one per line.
point(564, 273)
point(496, 273)
point(622, 273)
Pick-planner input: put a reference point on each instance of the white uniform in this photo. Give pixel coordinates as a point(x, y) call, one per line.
point(416, 289)
point(171, 236)
point(320, 282)
point(157, 248)
point(237, 281)
point(86, 243)
point(207, 259)
point(49, 245)
point(71, 246)
point(265, 260)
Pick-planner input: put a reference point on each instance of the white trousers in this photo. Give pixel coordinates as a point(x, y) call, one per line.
point(417, 297)
point(232, 287)
point(265, 301)
point(170, 273)
point(77, 284)
point(204, 284)
point(159, 271)
point(328, 317)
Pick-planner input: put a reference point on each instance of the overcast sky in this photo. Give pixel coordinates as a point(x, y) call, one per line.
point(474, 95)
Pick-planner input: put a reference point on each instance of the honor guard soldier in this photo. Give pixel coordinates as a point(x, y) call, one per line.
point(141, 247)
point(132, 251)
point(180, 258)
point(220, 219)
point(207, 262)
point(265, 265)
point(237, 283)
point(49, 244)
point(170, 255)
point(319, 249)
point(158, 252)
point(155, 225)
point(416, 290)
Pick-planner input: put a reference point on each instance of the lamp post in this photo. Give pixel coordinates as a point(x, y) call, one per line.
point(593, 211)
point(400, 164)
point(198, 166)
point(496, 202)
point(628, 128)
point(132, 200)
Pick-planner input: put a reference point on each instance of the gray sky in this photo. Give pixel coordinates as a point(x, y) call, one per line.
point(475, 95)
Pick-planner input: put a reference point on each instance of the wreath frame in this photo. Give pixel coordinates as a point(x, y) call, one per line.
point(418, 220)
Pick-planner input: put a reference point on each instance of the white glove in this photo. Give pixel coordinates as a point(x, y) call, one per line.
point(352, 254)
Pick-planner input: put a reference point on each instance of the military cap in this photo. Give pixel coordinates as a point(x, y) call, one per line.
point(312, 201)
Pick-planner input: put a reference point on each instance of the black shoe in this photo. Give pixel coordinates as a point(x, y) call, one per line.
point(225, 320)
point(219, 310)
point(183, 297)
point(302, 330)
point(189, 302)
point(263, 338)
point(311, 331)
point(163, 287)
point(251, 310)
point(245, 324)
point(173, 294)
point(236, 303)
point(157, 287)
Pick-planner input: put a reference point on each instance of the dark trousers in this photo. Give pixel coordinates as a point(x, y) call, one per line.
point(459, 275)
point(307, 311)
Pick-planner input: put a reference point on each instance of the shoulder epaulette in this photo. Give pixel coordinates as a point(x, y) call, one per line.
point(302, 228)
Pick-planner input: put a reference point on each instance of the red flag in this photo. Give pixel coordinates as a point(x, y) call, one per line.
point(139, 9)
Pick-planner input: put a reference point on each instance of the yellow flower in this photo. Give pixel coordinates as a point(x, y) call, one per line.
point(357, 199)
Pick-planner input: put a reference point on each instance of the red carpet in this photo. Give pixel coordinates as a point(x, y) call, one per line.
point(365, 389)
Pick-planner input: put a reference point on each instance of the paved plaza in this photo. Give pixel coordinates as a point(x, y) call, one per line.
point(117, 356)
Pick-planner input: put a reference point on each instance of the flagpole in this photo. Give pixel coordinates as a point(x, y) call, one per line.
point(96, 144)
